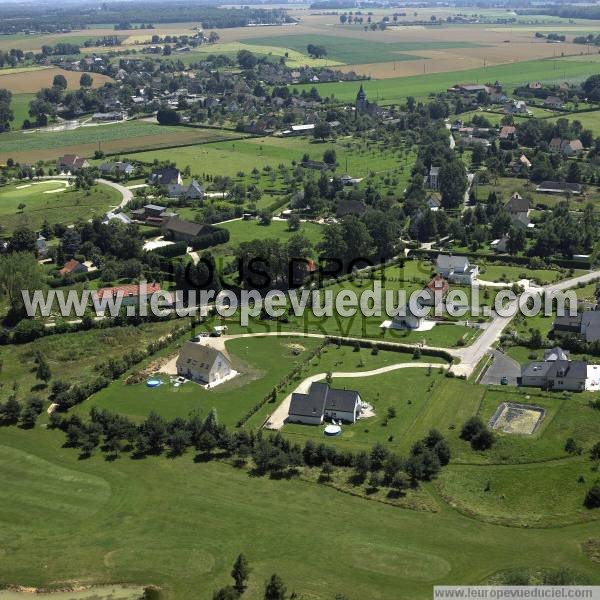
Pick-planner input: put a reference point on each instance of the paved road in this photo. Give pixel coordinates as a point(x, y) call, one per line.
point(126, 193)
point(502, 366)
point(279, 415)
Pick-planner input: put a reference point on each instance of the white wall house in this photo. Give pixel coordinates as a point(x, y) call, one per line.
point(323, 402)
point(202, 363)
point(456, 269)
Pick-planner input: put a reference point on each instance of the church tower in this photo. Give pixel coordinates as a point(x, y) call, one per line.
point(361, 101)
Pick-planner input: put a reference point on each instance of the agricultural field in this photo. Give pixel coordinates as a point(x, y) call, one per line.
point(34, 145)
point(397, 89)
point(345, 50)
point(20, 108)
point(21, 81)
point(54, 200)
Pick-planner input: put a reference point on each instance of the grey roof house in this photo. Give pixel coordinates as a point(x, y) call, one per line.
point(568, 375)
point(324, 402)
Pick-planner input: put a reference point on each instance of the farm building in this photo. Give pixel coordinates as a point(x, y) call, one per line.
point(130, 294)
point(324, 402)
point(559, 187)
point(203, 364)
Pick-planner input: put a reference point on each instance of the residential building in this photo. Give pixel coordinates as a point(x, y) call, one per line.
point(193, 191)
point(130, 294)
point(72, 267)
point(567, 375)
point(202, 363)
point(500, 245)
point(406, 319)
point(432, 181)
point(517, 205)
point(178, 230)
point(456, 269)
point(41, 246)
point(565, 147)
point(508, 132)
point(116, 216)
point(323, 402)
point(553, 102)
point(556, 353)
point(434, 292)
point(164, 177)
point(151, 214)
point(71, 163)
point(117, 167)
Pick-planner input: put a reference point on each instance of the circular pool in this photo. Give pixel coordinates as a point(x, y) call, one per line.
point(332, 430)
point(153, 382)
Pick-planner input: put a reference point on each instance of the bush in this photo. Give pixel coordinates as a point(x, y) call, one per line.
point(592, 498)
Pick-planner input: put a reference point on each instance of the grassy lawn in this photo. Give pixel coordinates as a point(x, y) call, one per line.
point(499, 272)
point(527, 495)
point(43, 201)
point(261, 362)
point(138, 521)
point(246, 231)
point(72, 356)
point(506, 186)
point(20, 108)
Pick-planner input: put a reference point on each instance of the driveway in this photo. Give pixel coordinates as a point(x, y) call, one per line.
point(502, 366)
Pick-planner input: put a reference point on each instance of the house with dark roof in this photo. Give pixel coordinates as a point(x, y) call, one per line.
point(350, 207)
point(556, 353)
point(193, 191)
point(203, 364)
point(565, 375)
point(517, 205)
point(323, 402)
point(179, 230)
point(165, 177)
point(151, 214)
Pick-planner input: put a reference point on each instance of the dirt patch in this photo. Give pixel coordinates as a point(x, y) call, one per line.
point(295, 349)
point(592, 549)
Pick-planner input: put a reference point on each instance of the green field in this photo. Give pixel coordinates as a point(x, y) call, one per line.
point(43, 201)
point(246, 231)
point(20, 108)
point(348, 51)
point(127, 136)
point(179, 523)
point(394, 90)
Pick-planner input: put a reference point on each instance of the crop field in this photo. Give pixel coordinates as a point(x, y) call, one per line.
point(32, 203)
point(347, 51)
point(29, 82)
point(121, 137)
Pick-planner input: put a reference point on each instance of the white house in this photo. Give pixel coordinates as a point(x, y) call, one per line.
point(324, 402)
point(456, 269)
point(202, 363)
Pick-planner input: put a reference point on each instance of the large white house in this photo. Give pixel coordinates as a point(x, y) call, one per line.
point(323, 401)
point(456, 269)
point(203, 364)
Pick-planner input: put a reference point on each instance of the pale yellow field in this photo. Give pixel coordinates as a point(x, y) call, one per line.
point(28, 82)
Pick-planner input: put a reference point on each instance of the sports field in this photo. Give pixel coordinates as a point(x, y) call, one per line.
point(128, 136)
point(53, 200)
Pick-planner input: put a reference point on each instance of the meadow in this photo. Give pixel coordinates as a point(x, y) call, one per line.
point(52, 200)
point(128, 136)
point(20, 108)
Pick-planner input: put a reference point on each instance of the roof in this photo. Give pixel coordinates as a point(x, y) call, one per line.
point(350, 207)
point(567, 369)
point(556, 353)
point(590, 323)
point(561, 186)
point(517, 204)
point(128, 290)
point(535, 369)
point(321, 397)
point(199, 358)
point(178, 225)
point(165, 176)
point(155, 207)
point(69, 266)
point(438, 284)
point(507, 130)
point(447, 261)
